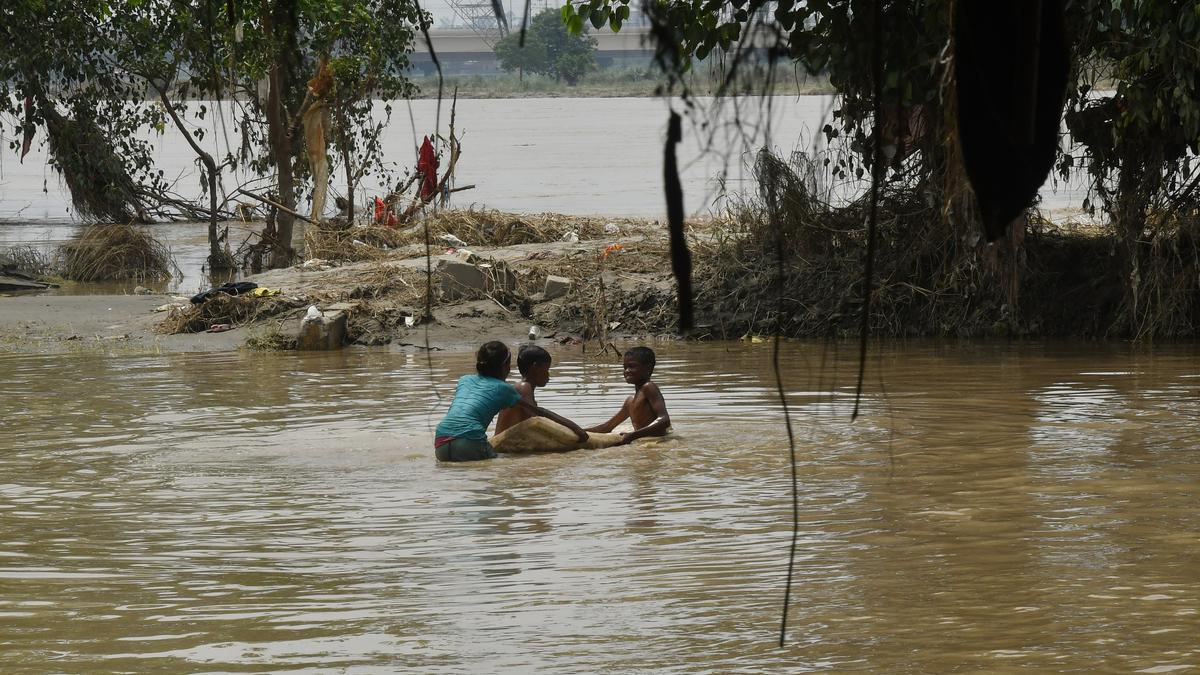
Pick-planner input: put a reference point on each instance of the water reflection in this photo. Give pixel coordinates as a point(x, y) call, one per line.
point(1000, 507)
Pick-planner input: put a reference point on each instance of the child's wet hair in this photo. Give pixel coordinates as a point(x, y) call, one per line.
point(643, 355)
point(491, 357)
point(531, 355)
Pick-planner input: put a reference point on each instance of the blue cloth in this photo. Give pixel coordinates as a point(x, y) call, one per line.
point(477, 399)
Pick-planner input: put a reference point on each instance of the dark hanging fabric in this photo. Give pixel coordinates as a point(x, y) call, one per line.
point(1010, 65)
point(681, 258)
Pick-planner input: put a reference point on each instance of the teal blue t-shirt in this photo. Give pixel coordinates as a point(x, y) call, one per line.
point(477, 399)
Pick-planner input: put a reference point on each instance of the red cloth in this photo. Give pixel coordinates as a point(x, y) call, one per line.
point(427, 164)
point(384, 215)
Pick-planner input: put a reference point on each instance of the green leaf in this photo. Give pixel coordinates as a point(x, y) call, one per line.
point(599, 17)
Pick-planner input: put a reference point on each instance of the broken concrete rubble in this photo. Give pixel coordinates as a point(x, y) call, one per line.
point(464, 280)
point(556, 287)
point(323, 333)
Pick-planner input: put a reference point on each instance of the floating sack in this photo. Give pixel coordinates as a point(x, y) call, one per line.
point(539, 434)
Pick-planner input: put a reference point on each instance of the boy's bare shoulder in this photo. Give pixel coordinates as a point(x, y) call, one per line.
point(524, 388)
point(651, 389)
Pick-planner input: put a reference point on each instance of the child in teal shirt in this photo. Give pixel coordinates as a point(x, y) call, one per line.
point(462, 434)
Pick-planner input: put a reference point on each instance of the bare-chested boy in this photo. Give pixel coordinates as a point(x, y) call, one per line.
point(534, 364)
point(646, 409)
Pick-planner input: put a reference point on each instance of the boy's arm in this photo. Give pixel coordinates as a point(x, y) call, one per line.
point(608, 426)
point(662, 420)
point(542, 412)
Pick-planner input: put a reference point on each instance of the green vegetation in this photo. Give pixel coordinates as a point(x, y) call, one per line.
point(96, 75)
point(1139, 142)
point(549, 50)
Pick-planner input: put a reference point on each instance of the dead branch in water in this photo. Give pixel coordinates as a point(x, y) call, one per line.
point(277, 205)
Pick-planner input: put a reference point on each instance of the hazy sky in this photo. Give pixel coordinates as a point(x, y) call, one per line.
point(440, 9)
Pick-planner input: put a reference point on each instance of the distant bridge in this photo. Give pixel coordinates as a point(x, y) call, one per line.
point(464, 52)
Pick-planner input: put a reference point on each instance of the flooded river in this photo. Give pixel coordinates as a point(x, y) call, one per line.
point(996, 507)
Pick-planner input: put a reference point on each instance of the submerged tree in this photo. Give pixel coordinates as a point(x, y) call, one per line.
point(1135, 110)
point(549, 49)
point(165, 46)
point(366, 44)
point(56, 78)
point(86, 72)
point(1139, 139)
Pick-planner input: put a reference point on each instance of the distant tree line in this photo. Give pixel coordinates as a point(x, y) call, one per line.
point(549, 49)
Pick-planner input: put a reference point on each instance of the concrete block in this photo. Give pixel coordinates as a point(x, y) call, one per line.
point(324, 333)
point(556, 287)
point(460, 279)
point(463, 280)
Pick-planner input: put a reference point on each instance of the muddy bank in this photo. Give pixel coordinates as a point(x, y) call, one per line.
point(492, 275)
point(608, 279)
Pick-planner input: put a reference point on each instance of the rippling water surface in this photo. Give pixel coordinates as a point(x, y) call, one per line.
point(993, 508)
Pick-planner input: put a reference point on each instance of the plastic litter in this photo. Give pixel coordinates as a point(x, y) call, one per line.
point(312, 314)
point(410, 321)
point(534, 332)
point(571, 237)
point(611, 228)
point(453, 240)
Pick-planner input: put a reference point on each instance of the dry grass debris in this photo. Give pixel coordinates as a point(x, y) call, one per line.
point(235, 310)
point(27, 259)
point(488, 227)
point(367, 242)
point(104, 252)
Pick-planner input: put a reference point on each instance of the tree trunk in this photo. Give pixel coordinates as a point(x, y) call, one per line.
point(345, 149)
point(216, 261)
point(282, 23)
point(100, 186)
point(1139, 181)
point(281, 153)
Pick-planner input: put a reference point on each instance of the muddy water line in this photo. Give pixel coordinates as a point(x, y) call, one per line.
point(996, 508)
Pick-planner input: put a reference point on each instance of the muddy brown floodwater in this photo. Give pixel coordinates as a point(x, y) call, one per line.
point(995, 508)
